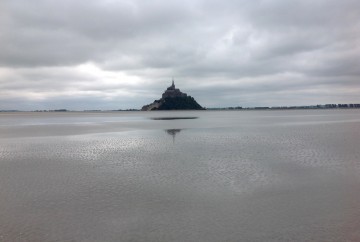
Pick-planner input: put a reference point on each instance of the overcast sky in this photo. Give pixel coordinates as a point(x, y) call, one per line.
point(117, 54)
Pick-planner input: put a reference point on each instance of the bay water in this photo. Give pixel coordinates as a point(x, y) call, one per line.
point(291, 175)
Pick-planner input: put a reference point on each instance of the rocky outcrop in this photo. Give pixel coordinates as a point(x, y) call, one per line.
point(152, 106)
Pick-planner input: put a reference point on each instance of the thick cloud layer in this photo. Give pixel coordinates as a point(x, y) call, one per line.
point(122, 53)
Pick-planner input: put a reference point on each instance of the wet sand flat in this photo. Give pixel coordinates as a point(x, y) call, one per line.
point(180, 176)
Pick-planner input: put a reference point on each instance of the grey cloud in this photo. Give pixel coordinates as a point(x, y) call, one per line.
point(230, 49)
point(68, 32)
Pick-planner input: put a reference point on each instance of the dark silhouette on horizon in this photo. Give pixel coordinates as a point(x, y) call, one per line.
point(173, 99)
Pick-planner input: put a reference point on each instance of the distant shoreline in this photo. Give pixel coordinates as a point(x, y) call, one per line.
point(207, 109)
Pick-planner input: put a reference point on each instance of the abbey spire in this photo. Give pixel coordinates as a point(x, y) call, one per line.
point(173, 92)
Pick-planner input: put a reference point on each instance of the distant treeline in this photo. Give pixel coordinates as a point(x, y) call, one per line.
point(225, 108)
point(325, 106)
point(87, 110)
point(55, 110)
point(130, 109)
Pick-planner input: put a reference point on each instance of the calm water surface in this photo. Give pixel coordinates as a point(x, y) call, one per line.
point(152, 176)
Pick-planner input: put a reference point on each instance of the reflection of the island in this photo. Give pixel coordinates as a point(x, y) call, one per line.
point(173, 132)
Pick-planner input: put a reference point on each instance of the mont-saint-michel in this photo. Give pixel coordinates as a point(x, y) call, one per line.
point(173, 99)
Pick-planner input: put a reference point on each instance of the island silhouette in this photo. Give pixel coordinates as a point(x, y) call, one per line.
point(173, 99)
